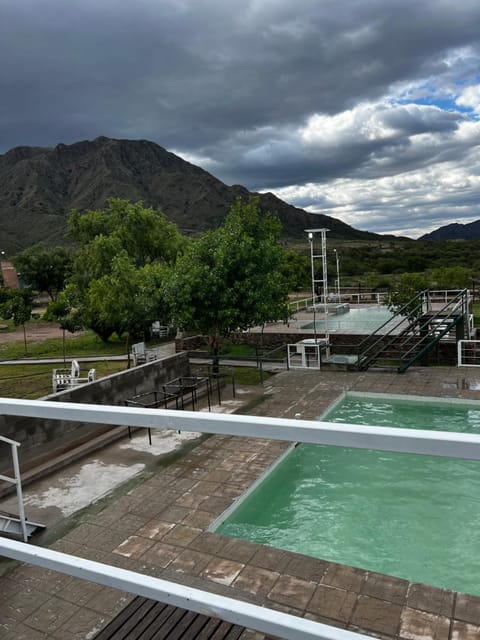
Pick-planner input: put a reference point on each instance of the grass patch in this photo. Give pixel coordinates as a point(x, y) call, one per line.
point(237, 351)
point(85, 344)
point(31, 381)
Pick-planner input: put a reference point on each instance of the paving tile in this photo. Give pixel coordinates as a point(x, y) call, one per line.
point(174, 514)
point(181, 535)
point(306, 568)
point(155, 529)
point(292, 592)
point(238, 550)
point(376, 615)
point(190, 562)
point(199, 519)
point(79, 591)
point(215, 504)
point(108, 601)
point(208, 542)
point(431, 599)
point(465, 631)
point(418, 625)
point(370, 633)
point(467, 608)
point(384, 587)
point(20, 605)
point(189, 500)
point(269, 558)
point(255, 580)
point(134, 547)
point(217, 476)
point(79, 627)
point(343, 577)
point(22, 632)
point(204, 488)
point(333, 603)
point(323, 620)
point(222, 571)
point(85, 533)
point(161, 554)
point(51, 615)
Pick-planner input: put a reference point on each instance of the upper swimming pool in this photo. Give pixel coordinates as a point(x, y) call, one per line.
point(362, 319)
point(410, 516)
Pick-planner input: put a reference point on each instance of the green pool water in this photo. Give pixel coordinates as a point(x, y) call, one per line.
point(414, 517)
point(363, 319)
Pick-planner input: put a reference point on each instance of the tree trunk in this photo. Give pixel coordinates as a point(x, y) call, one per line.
point(25, 337)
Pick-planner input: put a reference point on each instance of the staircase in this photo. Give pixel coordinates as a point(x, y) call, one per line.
point(413, 331)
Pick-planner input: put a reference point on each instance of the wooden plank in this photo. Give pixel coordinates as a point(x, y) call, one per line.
point(145, 619)
point(164, 630)
point(189, 626)
point(117, 623)
point(145, 627)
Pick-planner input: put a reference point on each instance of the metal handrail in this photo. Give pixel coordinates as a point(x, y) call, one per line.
point(414, 330)
point(17, 481)
point(423, 442)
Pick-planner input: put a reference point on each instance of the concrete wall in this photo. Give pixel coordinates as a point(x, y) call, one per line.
point(44, 438)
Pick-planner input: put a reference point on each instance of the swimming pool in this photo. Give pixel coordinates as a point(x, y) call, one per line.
point(414, 517)
point(362, 319)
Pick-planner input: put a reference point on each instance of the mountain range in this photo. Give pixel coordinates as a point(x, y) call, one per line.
point(455, 231)
point(39, 186)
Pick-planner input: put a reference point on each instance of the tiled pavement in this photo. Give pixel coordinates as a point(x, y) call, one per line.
point(160, 528)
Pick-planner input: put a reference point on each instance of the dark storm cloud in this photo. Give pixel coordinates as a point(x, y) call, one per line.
point(270, 94)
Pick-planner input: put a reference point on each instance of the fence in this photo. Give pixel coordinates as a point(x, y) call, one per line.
point(456, 445)
point(468, 353)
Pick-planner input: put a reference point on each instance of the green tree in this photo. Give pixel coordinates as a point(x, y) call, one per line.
point(17, 304)
point(403, 296)
point(110, 273)
point(130, 298)
point(231, 278)
point(44, 268)
point(455, 277)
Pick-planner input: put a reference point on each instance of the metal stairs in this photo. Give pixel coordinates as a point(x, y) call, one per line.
point(414, 331)
point(11, 526)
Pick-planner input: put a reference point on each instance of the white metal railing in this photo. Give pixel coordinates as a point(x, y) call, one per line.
point(468, 353)
point(423, 442)
point(447, 444)
point(375, 297)
point(252, 616)
point(16, 480)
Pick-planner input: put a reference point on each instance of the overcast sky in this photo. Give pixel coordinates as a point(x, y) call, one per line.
point(365, 110)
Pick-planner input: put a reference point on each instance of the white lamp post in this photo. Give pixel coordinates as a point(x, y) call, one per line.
point(323, 280)
point(310, 239)
point(338, 274)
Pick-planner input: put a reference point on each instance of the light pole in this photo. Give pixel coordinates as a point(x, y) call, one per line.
point(323, 280)
point(338, 274)
point(310, 239)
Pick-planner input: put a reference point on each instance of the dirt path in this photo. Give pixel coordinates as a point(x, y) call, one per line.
point(36, 332)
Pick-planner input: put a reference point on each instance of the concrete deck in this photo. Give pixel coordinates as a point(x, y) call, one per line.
point(158, 525)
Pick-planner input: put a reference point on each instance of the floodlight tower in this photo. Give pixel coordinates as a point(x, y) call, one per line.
point(337, 260)
point(324, 279)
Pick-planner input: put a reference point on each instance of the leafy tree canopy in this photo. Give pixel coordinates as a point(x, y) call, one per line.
point(16, 304)
point(401, 297)
point(119, 267)
point(44, 268)
point(144, 233)
point(231, 278)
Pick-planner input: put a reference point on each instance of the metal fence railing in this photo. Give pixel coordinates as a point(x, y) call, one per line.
point(423, 442)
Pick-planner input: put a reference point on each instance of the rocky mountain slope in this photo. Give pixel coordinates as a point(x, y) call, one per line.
point(39, 186)
point(455, 231)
